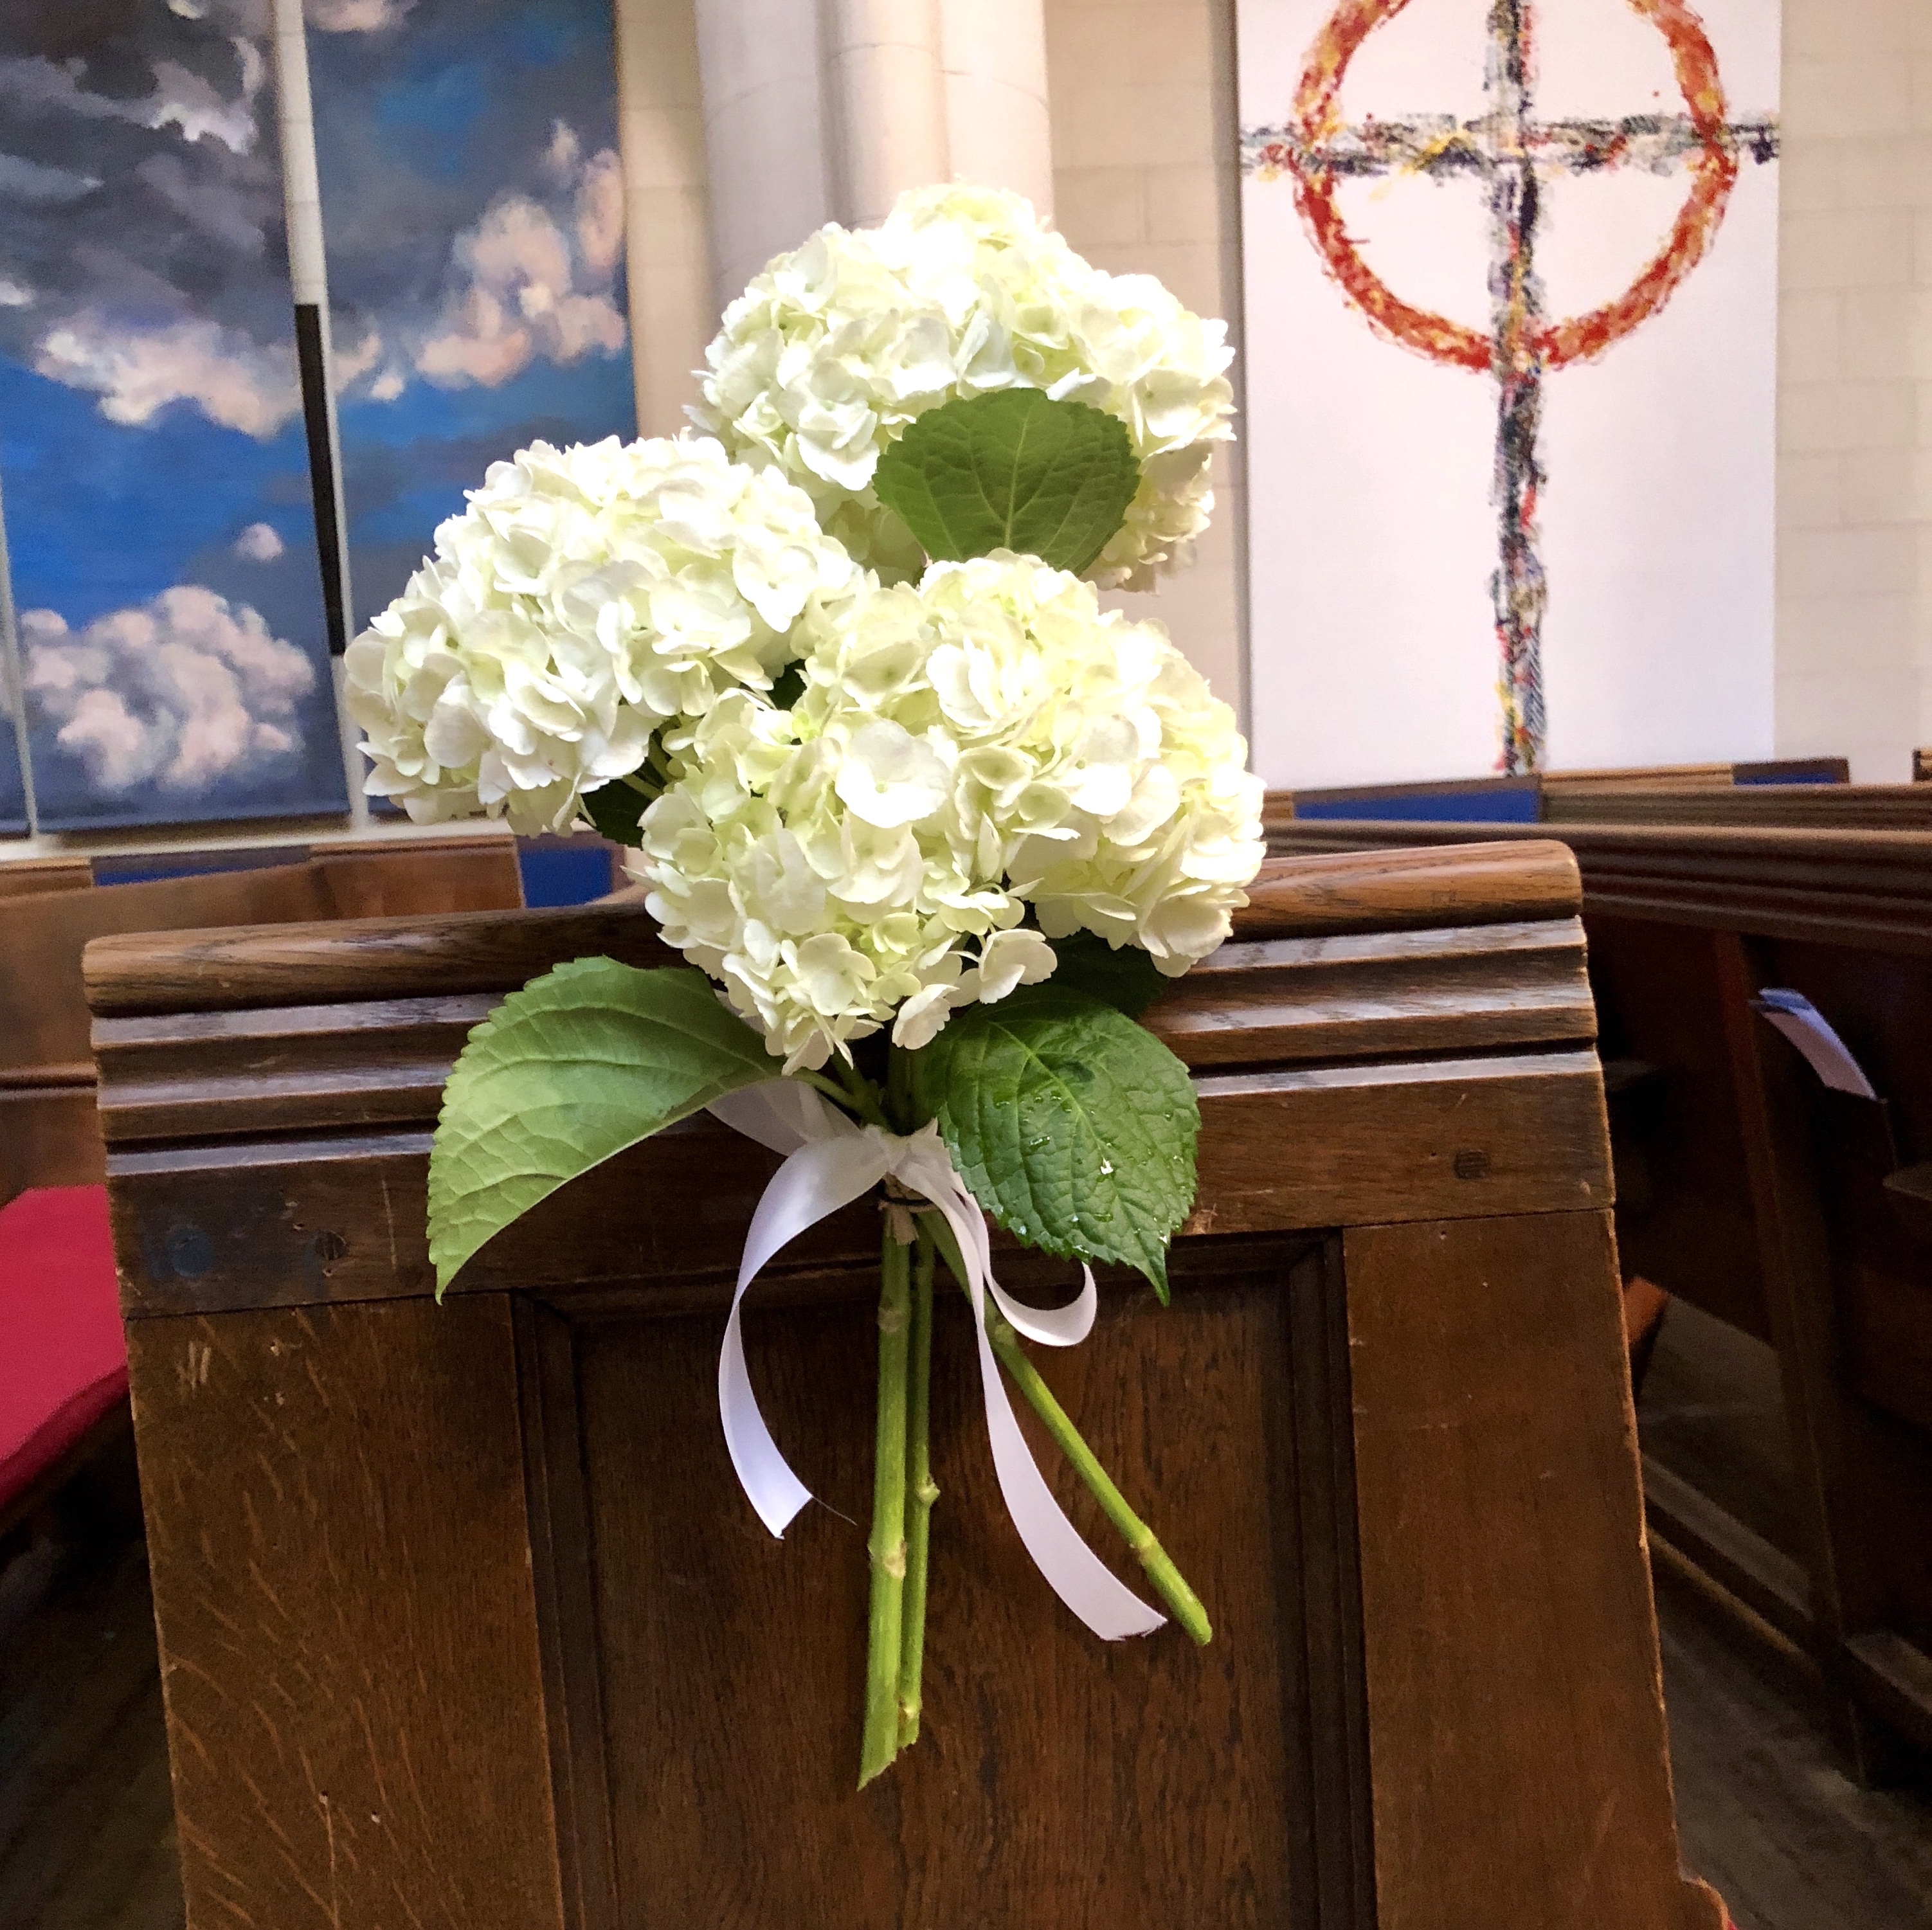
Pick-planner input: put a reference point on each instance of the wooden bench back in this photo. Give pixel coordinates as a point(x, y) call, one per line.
point(1824, 807)
point(1385, 1426)
point(1718, 794)
point(48, 1133)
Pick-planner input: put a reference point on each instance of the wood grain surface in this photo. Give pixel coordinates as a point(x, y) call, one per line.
point(1058, 1781)
point(1510, 1635)
point(21, 877)
point(490, 1552)
point(228, 969)
point(1869, 888)
point(1869, 807)
point(343, 1590)
point(49, 1134)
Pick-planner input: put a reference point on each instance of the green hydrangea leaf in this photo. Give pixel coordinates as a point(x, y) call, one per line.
point(1073, 1127)
point(1124, 977)
point(615, 810)
point(588, 1059)
point(1011, 470)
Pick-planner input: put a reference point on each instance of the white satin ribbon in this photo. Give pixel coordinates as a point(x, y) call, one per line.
point(830, 1161)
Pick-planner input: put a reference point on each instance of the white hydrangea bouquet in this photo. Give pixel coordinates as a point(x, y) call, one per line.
point(931, 827)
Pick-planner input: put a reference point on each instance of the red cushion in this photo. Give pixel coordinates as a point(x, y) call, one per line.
point(63, 1356)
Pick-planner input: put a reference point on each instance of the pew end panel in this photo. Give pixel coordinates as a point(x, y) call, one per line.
point(1385, 1427)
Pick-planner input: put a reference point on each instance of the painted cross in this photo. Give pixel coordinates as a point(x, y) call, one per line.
point(1513, 151)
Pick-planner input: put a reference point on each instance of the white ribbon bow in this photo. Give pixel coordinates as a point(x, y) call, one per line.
point(832, 1161)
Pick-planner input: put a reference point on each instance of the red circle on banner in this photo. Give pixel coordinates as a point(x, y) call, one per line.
point(1714, 169)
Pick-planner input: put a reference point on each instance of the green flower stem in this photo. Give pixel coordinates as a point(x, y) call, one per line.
point(1182, 1602)
point(924, 1493)
point(898, 1090)
point(862, 1093)
point(887, 1547)
point(859, 1097)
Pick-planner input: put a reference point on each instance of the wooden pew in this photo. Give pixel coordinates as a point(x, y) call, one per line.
point(1672, 777)
point(1847, 807)
point(1672, 793)
point(20, 878)
point(48, 1132)
point(462, 1619)
point(1799, 1215)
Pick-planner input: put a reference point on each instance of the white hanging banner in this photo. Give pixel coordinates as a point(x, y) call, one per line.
point(830, 1161)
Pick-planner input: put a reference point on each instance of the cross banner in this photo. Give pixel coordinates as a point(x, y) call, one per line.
point(1514, 152)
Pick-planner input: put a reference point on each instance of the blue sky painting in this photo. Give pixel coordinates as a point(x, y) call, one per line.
point(166, 587)
point(472, 212)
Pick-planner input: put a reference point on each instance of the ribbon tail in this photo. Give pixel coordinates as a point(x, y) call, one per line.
point(814, 1182)
point(774, 1491)
point(1073, 1571)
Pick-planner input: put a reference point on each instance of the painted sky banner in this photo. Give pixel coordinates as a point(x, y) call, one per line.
point(169, 625)
point(153, 467)
point(473, 220)
point(1510, 278)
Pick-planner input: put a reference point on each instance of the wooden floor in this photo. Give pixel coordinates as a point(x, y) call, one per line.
point(86, 1825)
point(87, 1841)
point(1764, 1812)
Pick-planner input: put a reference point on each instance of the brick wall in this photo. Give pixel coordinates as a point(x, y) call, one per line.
point(1855, 380)
point(1142, 93)
point(1144, 147)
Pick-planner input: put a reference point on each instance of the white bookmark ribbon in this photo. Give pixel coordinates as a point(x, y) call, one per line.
point(830, 1161)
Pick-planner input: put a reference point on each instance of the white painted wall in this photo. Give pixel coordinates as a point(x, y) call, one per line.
point(1855, 430)
point(747, 123)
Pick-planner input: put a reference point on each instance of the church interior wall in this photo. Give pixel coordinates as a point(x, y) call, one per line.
point(1854, 662)
point(1141, 98)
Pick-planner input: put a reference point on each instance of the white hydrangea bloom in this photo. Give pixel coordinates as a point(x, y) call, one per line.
point(586, 597)
point(836, 346)
point(985, 741)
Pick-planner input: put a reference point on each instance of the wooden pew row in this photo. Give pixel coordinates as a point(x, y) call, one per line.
point(1674, 791)
point(21, 877)
point(1674, 777)
point(1799, 1214)
point(1849, 807)
point(1633, 798)
point(49, 1135)
point(528, 1661)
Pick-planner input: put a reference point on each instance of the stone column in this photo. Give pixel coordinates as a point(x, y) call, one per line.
point(770, 172)
point(887, 93)
point(994, 55)
point(667, 245)
point(820, 110)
